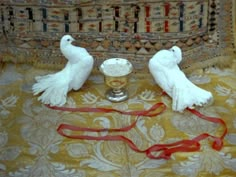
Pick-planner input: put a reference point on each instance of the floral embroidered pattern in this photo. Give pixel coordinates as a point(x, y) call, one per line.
point(31, 146)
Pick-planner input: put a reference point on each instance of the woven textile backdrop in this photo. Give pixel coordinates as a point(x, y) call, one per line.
point(30, 30)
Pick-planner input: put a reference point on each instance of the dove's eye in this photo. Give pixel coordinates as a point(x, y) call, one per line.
point(68, 40)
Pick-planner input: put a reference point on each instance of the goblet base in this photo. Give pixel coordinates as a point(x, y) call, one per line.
point(117, 95)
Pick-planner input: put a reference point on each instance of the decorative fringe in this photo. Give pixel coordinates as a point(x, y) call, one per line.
point(220, 62)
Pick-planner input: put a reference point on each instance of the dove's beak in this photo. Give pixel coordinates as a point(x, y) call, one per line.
point(74, 42)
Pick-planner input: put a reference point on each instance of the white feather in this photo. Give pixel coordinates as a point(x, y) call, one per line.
point(167, 74)
point(56, 86)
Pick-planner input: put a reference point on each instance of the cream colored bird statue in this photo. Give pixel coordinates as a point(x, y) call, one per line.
point(56, 86)
point(167, 74)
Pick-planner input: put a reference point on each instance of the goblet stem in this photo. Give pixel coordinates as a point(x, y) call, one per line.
point(116, 91)
point(117, 95)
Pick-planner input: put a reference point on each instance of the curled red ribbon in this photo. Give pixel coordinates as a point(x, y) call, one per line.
point(165, 150)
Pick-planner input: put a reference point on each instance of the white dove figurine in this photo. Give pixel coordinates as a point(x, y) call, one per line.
point(56, 86)
point(166, 73)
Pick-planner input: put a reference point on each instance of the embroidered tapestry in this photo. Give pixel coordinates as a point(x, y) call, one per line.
point(134, 29)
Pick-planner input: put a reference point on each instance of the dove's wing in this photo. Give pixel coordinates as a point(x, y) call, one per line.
point(178, 97)
point(161, 75)
point(81, 71)
point(175, 97)
point(73, 53)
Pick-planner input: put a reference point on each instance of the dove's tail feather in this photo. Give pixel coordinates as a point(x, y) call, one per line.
point(190, 97)
point(202, 96)
point(54, 89)
point(54, 97)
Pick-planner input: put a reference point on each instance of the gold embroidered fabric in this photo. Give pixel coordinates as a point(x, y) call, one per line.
point(31, 147)
point(30, 30)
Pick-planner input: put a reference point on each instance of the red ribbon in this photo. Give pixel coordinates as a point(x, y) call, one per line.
point(150, 112)
point(165, 150)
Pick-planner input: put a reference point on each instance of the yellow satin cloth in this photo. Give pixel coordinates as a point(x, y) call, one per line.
point(31, 146)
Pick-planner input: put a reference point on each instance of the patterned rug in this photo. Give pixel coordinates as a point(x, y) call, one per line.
point(136, 29)
point(30, 145)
